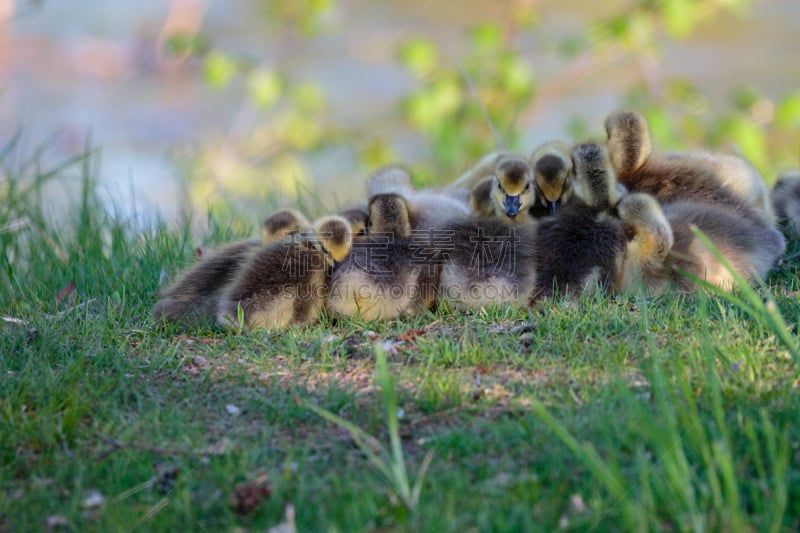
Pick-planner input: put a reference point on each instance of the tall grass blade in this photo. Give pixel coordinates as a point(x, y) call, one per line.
point(390, 403)
point(360, 437)
point(390, 464)
point(586, 453)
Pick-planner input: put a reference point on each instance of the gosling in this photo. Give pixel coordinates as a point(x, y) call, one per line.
point(707, 178)
point(552, 172)
point(391, 272)
point(286, 283)
point(508, 194)
point(580, 249)
point(194, 296)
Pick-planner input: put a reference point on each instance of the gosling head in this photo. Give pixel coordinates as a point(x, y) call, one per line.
point(595, 182)
point(628, 141)
point(282, 223)
point(512, 190)
point(552, 170)
point(358, 218)
point(388, 214)
point(333, 235)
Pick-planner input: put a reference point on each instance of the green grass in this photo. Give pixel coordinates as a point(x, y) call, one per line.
point(674, 413)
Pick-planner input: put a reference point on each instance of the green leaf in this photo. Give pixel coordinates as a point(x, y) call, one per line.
point(517, 77)
point(309, 98)
point(429, 107)
point(376, 153)
point(660, 127)
point(265, 87)
point(303, 132)
point(744, 97)
point(487, 37)
point(750, 140)
point(618, 27)
point(420, 56)
point(679, 17)
point(186, 43)
point(788, 111)
point(640, 32)
point(219, 69)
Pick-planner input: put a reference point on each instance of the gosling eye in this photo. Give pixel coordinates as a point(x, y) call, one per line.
point(499, 185)
point(527, 186)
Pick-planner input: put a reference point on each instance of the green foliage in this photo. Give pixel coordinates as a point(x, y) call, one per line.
point(219, 70)
point(681, 117)
point(180, 44)
point(467, 104)
point(761, 130)
point(265, 87)
point(266, 165)
point(307, 17)
point(447, 108)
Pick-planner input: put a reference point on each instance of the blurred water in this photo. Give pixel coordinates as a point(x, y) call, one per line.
point(76, 68)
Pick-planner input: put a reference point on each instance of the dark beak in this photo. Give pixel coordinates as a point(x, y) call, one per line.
point(553, 206)
point(511, 205)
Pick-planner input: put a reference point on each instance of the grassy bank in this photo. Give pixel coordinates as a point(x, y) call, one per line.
point(673, 413)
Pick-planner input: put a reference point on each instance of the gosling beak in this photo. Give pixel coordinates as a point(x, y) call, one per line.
point(511, 205)
point(553, 206)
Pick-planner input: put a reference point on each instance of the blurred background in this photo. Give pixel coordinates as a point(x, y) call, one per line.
point(241, 107)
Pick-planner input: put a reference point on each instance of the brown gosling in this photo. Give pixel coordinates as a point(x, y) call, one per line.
point(663, 245)
point(645, 264)
point(275, 227)
point(283, 223)
point(487, 262)
point(358, 217)
point(581, 248)
point(388, 274)
point(595, 180)
point(736, 174)
point(286, 283)
point(674, 177)
point(194, 295)
point(751, 246)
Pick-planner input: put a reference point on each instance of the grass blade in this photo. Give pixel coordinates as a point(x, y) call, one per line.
point(763, 310)
point(360, 437)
